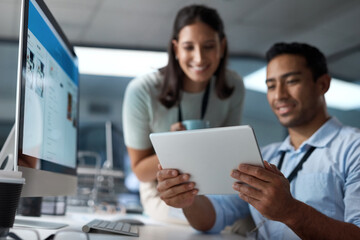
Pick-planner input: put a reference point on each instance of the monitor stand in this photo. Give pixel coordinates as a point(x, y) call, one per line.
point(7, 163)
point(7, 152)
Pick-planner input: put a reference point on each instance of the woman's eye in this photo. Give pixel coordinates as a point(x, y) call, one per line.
point(209, 46)
point(188, 48)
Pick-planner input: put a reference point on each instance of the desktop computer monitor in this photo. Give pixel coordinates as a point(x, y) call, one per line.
point(47, 105)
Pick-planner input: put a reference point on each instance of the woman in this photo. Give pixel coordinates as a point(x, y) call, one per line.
point(194, 85)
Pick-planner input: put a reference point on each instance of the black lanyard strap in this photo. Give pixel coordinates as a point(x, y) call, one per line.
point(300, 164)
point(204, 104)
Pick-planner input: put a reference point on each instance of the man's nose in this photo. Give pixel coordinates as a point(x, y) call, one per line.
point(281, 91)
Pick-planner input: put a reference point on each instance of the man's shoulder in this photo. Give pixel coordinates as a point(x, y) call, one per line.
point(349, 136)
point(350, 131)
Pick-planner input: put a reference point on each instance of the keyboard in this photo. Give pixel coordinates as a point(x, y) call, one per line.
point(98, 225)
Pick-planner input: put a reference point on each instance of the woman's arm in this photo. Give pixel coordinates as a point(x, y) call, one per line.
point(143, 163)
point(136, 127)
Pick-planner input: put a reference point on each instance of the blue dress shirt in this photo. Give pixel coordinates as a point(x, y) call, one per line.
point(329, 180)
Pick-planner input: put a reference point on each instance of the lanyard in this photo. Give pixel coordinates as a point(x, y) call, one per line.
point(204, 104)
point(299, 166)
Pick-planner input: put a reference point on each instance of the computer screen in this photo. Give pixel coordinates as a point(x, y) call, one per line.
point(47, 105)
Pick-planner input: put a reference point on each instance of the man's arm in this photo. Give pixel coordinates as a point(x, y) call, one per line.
point(201, 214)
point(308, 223)
point(268, 191)
point(176, 191)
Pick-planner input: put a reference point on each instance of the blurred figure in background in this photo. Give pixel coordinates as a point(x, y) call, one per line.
point(195, 84)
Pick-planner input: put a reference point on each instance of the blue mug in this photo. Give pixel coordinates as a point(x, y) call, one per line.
point(195, 124)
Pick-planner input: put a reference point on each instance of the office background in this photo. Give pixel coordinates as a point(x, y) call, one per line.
point(252, 26)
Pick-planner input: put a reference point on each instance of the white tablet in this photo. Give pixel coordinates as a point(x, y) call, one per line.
point(208, 155)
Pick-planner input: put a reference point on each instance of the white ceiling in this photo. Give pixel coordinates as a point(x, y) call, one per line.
point(251, 25)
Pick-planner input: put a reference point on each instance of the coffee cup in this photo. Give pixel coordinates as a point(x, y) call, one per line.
point(195, 124)
point(10, 190)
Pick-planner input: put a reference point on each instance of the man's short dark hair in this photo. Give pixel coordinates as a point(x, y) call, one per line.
point(315, 59)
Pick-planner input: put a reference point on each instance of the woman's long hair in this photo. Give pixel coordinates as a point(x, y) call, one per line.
point(173, 74)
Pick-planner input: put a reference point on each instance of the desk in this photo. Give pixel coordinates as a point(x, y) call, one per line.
point(170, 232)
point(152, 230)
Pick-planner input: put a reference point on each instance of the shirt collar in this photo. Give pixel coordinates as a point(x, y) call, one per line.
point(319, 139)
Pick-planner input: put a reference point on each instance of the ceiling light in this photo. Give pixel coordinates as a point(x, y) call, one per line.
point(341, 95)
point(117, 62)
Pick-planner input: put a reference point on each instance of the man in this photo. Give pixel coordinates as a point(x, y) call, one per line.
point(320, 198)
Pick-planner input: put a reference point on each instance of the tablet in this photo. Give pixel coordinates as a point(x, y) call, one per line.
point(208, 155)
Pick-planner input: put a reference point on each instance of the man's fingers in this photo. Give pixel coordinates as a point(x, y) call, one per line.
point(176, 190)
point(182, 200)
point(167, 183)
point(166, 173)
point(248, 179)
point(258, 172)
point(247, 190)
point(268, 166)
point(272, 168)
point(277, 171)
point(249, 199)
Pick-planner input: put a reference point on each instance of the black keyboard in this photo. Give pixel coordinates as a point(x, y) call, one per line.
point(98, 225)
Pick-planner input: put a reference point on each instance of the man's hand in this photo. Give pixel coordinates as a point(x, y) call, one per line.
point(175, 189)
point(266, 189)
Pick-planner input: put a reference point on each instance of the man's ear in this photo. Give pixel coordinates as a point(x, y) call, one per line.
point(323, 83)
point(175, 45)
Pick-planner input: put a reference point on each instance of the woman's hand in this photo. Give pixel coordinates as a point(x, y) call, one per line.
point(177, 127)
point(175, 189)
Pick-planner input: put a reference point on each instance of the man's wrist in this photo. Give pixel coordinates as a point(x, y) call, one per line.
point(296, 215)
point(200, 214)
point(192, 206)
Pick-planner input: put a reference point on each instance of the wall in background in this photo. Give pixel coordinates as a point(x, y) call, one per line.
point(101, 98)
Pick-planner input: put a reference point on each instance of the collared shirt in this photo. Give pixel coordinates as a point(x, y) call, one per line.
point(329, 180)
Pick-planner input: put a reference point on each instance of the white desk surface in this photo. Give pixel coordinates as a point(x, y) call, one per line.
point(152, 230)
